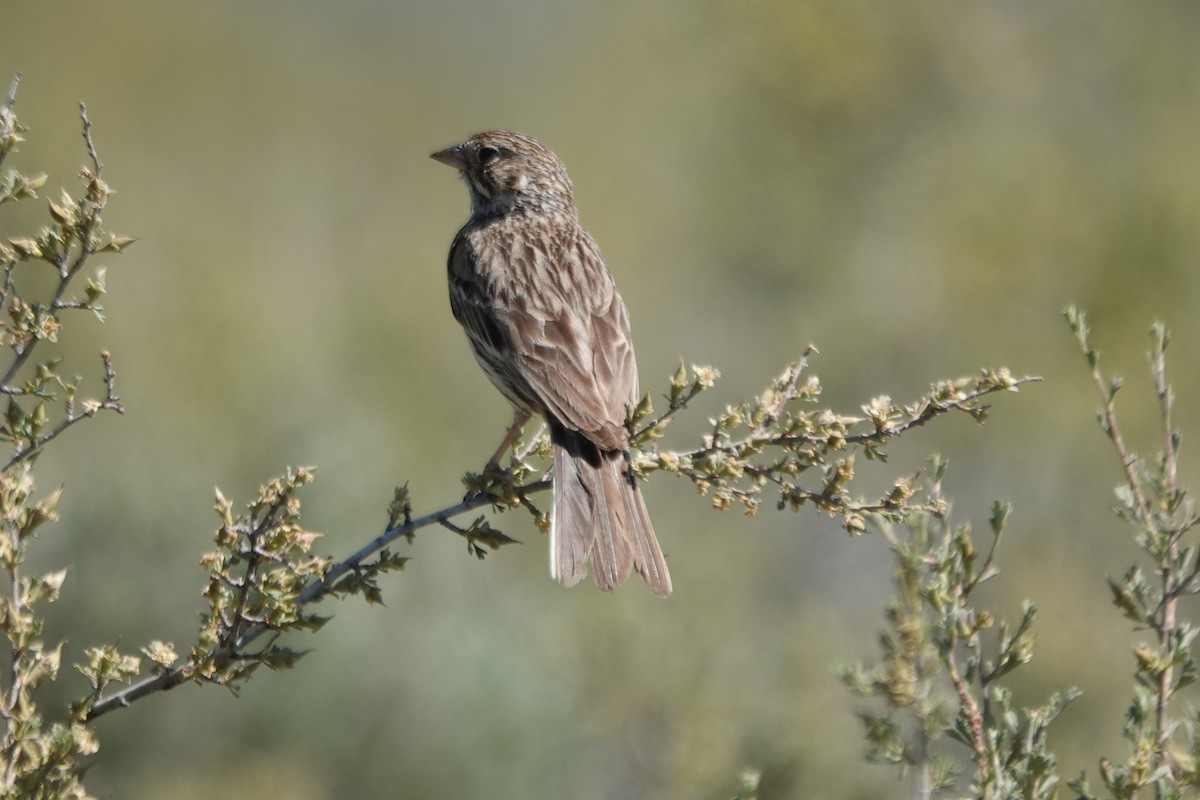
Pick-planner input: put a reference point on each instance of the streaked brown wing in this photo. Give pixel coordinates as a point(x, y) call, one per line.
point(570, 337)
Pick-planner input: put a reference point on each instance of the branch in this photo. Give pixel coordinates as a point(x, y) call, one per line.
point(315, 591)
point(67, 245)
point(12, 90)
point(774, 441)
point(968, 708)
point(1153, 502)
point(1170, 598)
point(87, 138)
point(803, 438)
point(319, 589)
point(1108, 420)
point(91, 407)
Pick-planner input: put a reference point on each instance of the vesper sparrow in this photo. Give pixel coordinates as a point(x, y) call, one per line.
point(529, 286)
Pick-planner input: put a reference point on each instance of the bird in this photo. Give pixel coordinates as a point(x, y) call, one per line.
point(544, 320)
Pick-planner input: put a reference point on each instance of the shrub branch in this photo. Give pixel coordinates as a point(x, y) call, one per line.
point(1163, 749)
point(781, 441)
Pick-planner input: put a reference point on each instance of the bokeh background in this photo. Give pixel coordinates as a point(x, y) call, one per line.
point(918, 189)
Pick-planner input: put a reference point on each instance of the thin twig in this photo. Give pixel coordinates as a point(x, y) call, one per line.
point(1170, 597)
point(87, 138)
point(6, 283)
point(969, 706)
point(318, 589)
point(660, 422)
point(928, 413)
point(253, 559)
point(12, 91)
point(111, 402)
point(1114, 434)
point(450, 526)
point(793, 374)
point(16, 654)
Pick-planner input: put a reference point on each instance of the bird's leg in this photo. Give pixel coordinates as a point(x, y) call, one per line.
point(520, 417)
point(492, 471)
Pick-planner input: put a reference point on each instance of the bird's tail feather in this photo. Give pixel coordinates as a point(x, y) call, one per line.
point(599, 516)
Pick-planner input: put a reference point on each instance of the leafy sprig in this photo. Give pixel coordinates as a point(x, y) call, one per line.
point(40, 758)
point(1164, 749)
point(939, 677)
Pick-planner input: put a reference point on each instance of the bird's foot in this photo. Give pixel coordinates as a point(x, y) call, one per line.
point(494, 482)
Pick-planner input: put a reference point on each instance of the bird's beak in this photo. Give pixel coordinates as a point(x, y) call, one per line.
point(451, 157)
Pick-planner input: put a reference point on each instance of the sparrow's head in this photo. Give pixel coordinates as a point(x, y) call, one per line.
point(509, 172)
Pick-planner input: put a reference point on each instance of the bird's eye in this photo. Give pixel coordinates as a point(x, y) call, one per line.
point(488, 154)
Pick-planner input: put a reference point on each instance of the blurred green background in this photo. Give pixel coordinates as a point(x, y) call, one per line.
point(917, 188)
